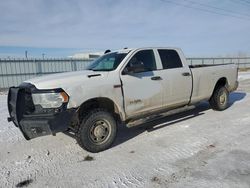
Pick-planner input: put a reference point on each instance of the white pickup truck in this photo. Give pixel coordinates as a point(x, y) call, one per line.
point(120, 87)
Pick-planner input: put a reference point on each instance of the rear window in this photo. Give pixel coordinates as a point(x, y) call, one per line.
point(170, 59)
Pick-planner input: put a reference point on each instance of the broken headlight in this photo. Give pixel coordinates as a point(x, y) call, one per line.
point(50, 100)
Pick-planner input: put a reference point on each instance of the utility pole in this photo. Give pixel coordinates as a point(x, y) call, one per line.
point(43, 54)
point(26, 54)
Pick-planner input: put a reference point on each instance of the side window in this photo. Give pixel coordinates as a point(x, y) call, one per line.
point(144, 59)
point(170, 59)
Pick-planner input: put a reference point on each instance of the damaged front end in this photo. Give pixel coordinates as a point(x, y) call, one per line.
point(38, 119)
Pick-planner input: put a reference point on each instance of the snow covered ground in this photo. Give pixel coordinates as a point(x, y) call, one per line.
point(198, 148)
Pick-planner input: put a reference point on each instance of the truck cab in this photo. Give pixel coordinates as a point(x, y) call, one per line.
point(161, 81)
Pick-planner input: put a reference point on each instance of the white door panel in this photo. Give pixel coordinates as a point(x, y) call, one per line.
point(176, 78)
point(177, 87)
point(141, 92)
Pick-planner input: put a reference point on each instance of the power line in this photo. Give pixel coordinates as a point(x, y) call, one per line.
point(248, 2)
point(241, 2)
point(205, 10)
point(218, 8)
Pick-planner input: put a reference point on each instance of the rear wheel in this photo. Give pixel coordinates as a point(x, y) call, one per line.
point(219, 99)
point(97, 131)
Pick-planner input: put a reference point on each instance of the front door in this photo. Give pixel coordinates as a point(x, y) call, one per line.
point(142, 85)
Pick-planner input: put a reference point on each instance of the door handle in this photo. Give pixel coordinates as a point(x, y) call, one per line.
point(186, 74)
point(156, 78)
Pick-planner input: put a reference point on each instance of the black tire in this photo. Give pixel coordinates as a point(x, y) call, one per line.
point(219, 99)
point(97, 131)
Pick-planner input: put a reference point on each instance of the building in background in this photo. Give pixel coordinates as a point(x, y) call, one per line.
point(90, 55)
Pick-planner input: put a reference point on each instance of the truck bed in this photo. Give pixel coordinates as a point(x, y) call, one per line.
point(206, 76)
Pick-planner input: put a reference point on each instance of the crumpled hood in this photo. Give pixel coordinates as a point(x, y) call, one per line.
point(66, 80)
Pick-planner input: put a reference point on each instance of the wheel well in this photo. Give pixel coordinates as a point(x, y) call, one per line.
point(221, 82)
point(101, 102)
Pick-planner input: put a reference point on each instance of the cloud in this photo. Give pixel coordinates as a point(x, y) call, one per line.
point(118, 23)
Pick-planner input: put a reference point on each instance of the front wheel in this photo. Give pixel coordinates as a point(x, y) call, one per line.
point(97, 131)
point(219, 99)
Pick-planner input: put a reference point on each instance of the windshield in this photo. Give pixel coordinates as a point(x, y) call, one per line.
point(107, 62)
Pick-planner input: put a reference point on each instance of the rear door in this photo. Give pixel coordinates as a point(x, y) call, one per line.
point(143, 90)
point(176, 78)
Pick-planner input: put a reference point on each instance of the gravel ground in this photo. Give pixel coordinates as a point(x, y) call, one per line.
point(197, 148)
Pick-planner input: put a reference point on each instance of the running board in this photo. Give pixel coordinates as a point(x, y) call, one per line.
point(158, 116)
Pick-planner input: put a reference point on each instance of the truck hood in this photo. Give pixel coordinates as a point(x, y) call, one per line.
point(68, 79)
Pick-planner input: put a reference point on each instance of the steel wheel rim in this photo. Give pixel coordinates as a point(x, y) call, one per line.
point(223, 98)
point(100, 131)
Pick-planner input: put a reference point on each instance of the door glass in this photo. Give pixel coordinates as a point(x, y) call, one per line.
point(144, 59)
point(170, 59)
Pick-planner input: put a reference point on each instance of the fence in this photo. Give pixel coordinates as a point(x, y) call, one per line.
point(14, 71)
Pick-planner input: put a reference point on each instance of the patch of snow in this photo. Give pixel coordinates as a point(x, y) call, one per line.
point(171, 153)
point(243, 76)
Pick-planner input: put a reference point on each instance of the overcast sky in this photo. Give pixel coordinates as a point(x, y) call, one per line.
point(64, 27)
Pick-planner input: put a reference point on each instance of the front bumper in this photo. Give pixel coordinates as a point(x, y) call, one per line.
point(34, 121)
